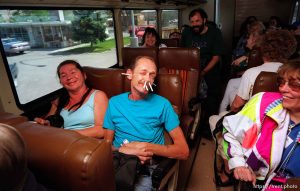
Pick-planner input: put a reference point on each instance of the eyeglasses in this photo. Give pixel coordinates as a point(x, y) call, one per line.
point(293, 84)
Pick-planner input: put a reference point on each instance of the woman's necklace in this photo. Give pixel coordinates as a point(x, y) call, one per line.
point(291, 126)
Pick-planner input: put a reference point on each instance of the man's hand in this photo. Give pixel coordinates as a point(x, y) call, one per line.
point(138, 149)
point(245, 174)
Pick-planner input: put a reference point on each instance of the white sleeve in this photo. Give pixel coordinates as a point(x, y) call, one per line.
point(226, 99)
point(235, 130)
point(245, 86)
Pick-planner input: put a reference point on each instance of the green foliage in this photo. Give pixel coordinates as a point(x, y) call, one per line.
point(99, 46)
point(88, 26)
point(2, 20)
point(30, 15)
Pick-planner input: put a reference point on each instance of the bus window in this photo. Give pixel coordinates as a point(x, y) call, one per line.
point(169, 22)
point(35, 41)
point(139, 20)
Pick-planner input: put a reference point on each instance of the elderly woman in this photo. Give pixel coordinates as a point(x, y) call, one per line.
point(261, 141)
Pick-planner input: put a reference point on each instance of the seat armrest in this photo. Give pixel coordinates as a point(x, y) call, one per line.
point(186, 122)
point(161, 171)
point(66, 160)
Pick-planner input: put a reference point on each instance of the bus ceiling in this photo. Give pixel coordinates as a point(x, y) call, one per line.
point(158, 4)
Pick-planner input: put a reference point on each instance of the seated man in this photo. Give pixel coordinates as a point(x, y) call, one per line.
point(135, 121)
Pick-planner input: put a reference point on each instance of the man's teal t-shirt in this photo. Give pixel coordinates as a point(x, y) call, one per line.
point(142, 120)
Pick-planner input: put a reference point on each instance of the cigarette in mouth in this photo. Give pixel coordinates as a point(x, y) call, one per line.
point(145, 85)
point(150, 86)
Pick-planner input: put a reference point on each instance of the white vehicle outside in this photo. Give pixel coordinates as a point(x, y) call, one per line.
point(13, 46)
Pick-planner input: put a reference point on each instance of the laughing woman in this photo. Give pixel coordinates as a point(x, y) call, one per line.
point(262, 140)
point(81, 107)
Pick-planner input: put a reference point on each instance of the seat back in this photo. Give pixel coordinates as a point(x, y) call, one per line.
point(255, 58)
point(65, 160)
point(185, 62)
point(109, 80)
point(265, 82)
point(170, 42)
point(129, 54)
point(11, 119)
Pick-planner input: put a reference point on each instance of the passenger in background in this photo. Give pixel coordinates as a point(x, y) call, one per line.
point(262, 140)
point(277, 47)
point(240, 48)
point(274, 23)
point(136, 120)
point(14, 174)
point(255, 37)
point(151, 39)
point(175, 34)
point(210, 42)
point(81, 107)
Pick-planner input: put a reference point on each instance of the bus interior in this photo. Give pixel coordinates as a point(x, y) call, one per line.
point(37, 35)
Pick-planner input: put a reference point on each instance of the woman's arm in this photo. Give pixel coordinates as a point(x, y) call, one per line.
point(100, 106)
point(52, 111)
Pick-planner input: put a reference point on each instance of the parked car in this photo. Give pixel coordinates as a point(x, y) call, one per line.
point(14, 46)
point(14, 72)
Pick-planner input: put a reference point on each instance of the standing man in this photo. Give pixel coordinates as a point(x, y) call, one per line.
point(209, 40)
point(136, 120)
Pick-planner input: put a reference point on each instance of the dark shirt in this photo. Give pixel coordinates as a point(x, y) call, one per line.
point(210, 43)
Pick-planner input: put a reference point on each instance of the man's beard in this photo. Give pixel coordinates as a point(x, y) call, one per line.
point(198, 29)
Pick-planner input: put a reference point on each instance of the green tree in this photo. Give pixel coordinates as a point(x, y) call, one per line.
point(88, 26)
point(29, 15)
point(2, 20)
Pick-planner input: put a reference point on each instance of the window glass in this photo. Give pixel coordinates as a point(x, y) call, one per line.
point(36, 41)
point(295, 14)
point(169, 22)
point(139, 20)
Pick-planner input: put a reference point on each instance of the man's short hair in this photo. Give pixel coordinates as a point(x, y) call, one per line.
point(13, 161)
point(202, 13)
point(133, 64)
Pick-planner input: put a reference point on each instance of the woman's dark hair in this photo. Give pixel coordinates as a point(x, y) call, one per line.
point(153, 32)
point(64, 96)
point(247, 22)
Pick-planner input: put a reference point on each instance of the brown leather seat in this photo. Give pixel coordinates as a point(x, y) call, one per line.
point(265, 82)
point(255, 58)
point(65, 160)
point(109, 80)
point(185, 62)
point(11, 119)
point(130, 54)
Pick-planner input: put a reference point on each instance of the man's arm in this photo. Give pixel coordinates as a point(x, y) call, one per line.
point(210, 65)
point(178, 150)
point(237, 104)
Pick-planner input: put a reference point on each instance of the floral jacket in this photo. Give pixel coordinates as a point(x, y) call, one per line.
point(255, 137)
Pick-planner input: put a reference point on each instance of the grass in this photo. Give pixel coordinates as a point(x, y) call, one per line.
point(99, 46)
